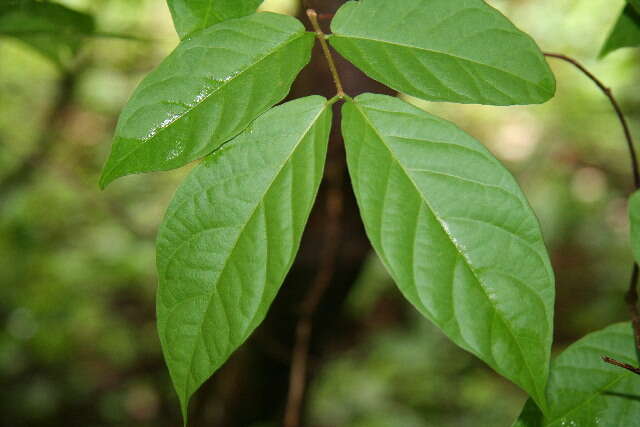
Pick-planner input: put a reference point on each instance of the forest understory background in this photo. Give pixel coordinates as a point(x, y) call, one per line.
point(78, 344)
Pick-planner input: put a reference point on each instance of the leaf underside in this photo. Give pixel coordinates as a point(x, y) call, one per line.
point(585, 391)
point(456, 233)
point(190, 16)
point(53, 30)
point(441, 50)
point(626, 31)
point(206, 92)
point(231, 234)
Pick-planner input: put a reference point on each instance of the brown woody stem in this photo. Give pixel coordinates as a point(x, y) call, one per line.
point(300, 355)
point(631, 298)
point(621, 365)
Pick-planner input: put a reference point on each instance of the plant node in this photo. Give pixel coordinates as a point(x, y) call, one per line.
point(322, 38)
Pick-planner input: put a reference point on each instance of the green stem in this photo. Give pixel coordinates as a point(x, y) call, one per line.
point(313, 17)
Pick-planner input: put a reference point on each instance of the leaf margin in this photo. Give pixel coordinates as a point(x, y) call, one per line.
point(187, 20)
point(539, 386)
point(531, 416)
point(349, 9)
point(324, 114)
point(118, 166)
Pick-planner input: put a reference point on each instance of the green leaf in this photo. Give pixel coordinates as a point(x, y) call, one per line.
point(585, 391)
point(443, 50)
point(206, 92)
point(456, 233)
point(194, 15)
point(635, 4)
point(634, 223)
point(231, 234)
point(53, 30)
point(625, 33)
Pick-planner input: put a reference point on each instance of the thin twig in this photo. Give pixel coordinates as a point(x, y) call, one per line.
point(298, 372)
point(326, 269)
point(621, 117)
point(621, 365)
point(313, 17)
point(631, 297)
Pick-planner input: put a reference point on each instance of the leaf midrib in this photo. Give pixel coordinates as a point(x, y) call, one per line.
point(226, 84)
point(439, 52)
point(453, 242)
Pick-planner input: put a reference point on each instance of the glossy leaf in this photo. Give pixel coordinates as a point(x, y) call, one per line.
point(625, 33)
point(190, 16)
point(443, 50)
point(585, 391)
point(231, 234)
point(53, 30)
point(634, 224)
point(456, 233)
point(206, 92)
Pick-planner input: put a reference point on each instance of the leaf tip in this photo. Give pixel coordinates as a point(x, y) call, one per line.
point(111, 171)
point(547, 85)
point(604, 52)
point(106, 178)
point(550, 91)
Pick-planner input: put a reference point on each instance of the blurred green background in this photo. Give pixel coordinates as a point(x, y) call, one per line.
point(77, 277)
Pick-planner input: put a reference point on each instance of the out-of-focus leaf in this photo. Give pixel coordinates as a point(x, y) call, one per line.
point(193, 15)
point(231, 234)
point(585, 391)
point(206, 92)
point(52, 29)
point(634, 223)
point(456, 233)
point(625, 33)
point(443, 50)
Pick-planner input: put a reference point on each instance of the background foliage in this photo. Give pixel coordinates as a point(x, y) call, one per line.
point(77, 340)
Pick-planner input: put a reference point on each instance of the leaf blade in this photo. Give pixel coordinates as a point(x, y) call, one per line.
point(625, 32)
point(219, 261)
point(207, 91)
point(442, 50)
point(190, 16)
point(430, 242)
point(584, 390)
point(52, 29)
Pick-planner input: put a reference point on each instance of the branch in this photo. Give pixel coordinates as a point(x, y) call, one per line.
point(334, 208)
point(298, 372)
point(616, 106)
point(631, 297)
point(313, 17)
point(621, 365)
